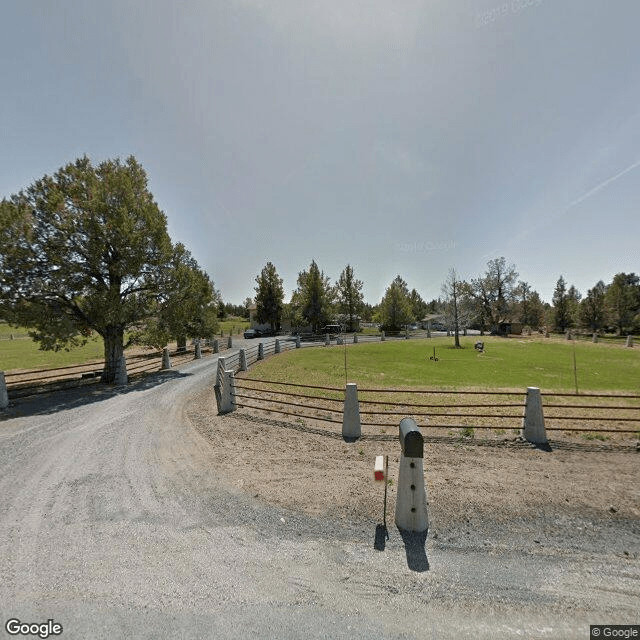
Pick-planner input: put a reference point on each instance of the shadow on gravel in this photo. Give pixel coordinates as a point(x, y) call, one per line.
point(54, 401)
point(414, 546)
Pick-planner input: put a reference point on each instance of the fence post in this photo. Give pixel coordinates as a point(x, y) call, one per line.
point(297, 342)
point(225, 393)
point(411, 500)
point(327, 340)
point(243, 360)
point(216, 346)
point(277, 347)
point(406, 334)
point(595, 337)
point(355, 338)
point(4, 394)
point(230, 342)
point(121, 371)
point(166, 358)
point(382, 337)
point(198, 354)
point(568, 335)
point(533, 421)
point(260, 351)
point(629, 341)
point(339, 340)
point(351, 426)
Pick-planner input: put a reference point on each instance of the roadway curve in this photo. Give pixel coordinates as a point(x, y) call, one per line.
point(114, 523)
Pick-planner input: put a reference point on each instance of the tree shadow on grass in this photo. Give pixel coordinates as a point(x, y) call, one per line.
point(53, 401)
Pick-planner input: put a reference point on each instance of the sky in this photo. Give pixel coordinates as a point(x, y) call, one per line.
point(402, 138)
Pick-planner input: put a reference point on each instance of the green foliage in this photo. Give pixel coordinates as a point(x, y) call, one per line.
point(314, 297)
point(349, 296)
point(87, 249)
point(623, 301)
point(269, 297)
point(395, 308)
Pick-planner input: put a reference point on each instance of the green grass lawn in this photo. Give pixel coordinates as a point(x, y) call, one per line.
point(24, 354)
point(506, 364)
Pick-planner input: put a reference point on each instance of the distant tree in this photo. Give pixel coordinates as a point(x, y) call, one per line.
point(561, 307)
point(418, 305)
point(314, 297)
point(623, 301)
point(246, 313)
point(269, 297)
point(395, 307)
point(494, 293)
point(573, 303)
point(367, 312)
point(349, 296)
point(454, 291)
point(86, 249)
point(593, 308)
point(529, 306)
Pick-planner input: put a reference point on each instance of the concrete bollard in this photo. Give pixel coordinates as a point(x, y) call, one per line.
point(327, 340)
point(546, 333)
point(568, 335)
point(260, 351)
point(243, 360)
point(121, 371)
point(594, 338)
point(339, 340)
point(216, 346)
point(411, 501)
point(230, 343)
point(406, 334)
point(226, 393)
point(351, 426)
point(428, 333)
point(166, 358)
point(355, 338)
point(4, 394)
point(277, 347)
point(198, 350)
point(464, 332)
point(297, 342)
point(382, 336)
point(629, 341)
point(533, 429)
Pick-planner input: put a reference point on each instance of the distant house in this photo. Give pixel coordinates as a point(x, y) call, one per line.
point(509, 327)
point(432, 319)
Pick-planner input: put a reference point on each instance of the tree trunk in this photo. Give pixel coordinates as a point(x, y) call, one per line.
point(113, 352)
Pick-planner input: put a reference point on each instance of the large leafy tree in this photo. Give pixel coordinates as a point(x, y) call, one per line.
point(395, 308)
point(623, 301)
point(593, 308)
point(269, 297)
point(86, 249)
point(349, 295)
point(494, 293)
point(313, 298)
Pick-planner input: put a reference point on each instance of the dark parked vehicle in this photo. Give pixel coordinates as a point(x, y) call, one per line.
point(252, 333)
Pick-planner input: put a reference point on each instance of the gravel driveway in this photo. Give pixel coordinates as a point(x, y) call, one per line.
point(116, 522)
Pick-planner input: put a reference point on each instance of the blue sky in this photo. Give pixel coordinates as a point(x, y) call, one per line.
point(401, 138)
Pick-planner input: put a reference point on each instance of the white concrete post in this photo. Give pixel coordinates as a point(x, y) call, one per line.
point(428, 333)
point(4, 394)
point(121, 371)
point(351, 426)
point(382, 337)
point(533, 428)
point(277, 347)
point(243, 360)
point(595, 337)
point(230, 342)
point(355, 338)
point(327, 341)
point(339, 340)
point(198, 354)
point(227, 393)
point(297, 342)
point(260, 351)
point(216, 346)
point(629, 341)
point(411, 501)
point(166, 358)
point(568, 335)
point(546, 333)
point(406, 334)
point(464, 332)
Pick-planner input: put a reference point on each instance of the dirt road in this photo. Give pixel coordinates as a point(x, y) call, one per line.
point(127, 514)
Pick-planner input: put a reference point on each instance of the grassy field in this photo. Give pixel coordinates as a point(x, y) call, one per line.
point(506, 364)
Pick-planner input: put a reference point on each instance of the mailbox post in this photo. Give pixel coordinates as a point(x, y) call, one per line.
point(411, 502)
